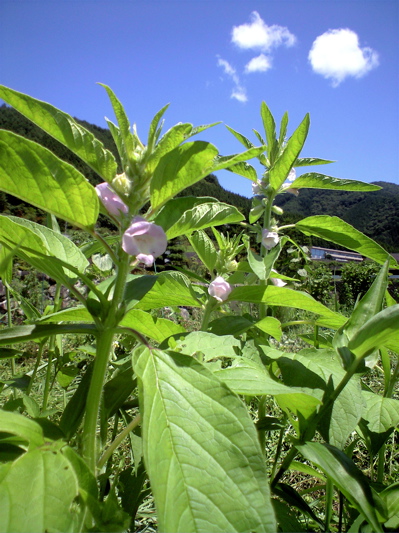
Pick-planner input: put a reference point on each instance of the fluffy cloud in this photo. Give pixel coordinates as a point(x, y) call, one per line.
point(260, 63)
point(238, 92)
point(258, 35)
point(336, 54)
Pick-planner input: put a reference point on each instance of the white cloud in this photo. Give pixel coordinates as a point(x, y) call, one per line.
point(258, 35)
point(238, 92)
point(260, 63)
point(336, 54)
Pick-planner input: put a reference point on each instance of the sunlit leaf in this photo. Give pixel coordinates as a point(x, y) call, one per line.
point(313, 180)
point(34, 174)
point(196, 469)
point(65, 129)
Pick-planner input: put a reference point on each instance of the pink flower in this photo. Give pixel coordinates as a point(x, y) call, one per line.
point(145, 240)
point(269, 239)
point(110, 200)
point(219, 289)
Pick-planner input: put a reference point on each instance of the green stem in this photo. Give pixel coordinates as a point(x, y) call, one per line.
point(39, 358)
point(120, 438)
point(261, 415)
point(9, 324)
point(278, 449)
point(209, 307)
point(329, 504)
point(103, 348)
point(381, 464)
point(392, 382)
point(51, 352)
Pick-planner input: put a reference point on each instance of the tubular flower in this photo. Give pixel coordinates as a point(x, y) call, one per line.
point(269, 239)
point(145, 240)
point(110, 200)
point(219, 289)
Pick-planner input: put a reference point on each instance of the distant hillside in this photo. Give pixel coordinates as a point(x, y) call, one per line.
point(374, 213)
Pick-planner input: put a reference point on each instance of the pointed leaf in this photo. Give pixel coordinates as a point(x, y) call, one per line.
point(154, 126)
point(23, 427)
point(204, 438)
point(339, 232)
point(280, 170)
point(345, 475)
point(37, 492)
point(313, 180)
point(34, 174)
point(283, 297)
point(378, 331)
point(170, 288)
point(310, 161)
point(179, 168)
point(244, 169)
point(157, 329)
point(205, 216)
point(36, 331)
point(204, 248)
point(243, 140)
point(172, 139)
point(65, 129)
point(270, 130)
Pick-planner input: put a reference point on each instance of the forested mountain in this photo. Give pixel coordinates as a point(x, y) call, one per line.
point(374, 213)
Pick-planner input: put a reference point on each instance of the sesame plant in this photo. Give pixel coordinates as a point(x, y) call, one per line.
point(184, 415)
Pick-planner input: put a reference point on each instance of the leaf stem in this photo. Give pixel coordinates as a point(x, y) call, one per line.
point(122, 435)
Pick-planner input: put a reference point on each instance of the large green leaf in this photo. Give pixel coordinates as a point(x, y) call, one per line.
point(56, 243)
point(314, 180)
point(345, 475)
point(204, 248)
point(205, 216)
point(379, 420)
point(378, 331)
point(201, 449)
point(279, 172)
point(157, 329)
point(335, 230)
point(34, 174)
point(179, 168)
point(280, 296)
point(269, 126)
point(37, 492)
point(66, 130)
point(22, 427)
point(210, 345)
point(170, 288)
point(39, 331)
point(252, 379)
point(170, 140)
point(317, 372)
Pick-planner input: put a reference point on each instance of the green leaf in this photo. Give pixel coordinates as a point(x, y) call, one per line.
point(318, 372)
point(228, 161)
point(126, 137)
point(76, 407)
point(379, 420)
point(170, 288)
point(172, 211)
point(23, 427)
point(37, 492)
point(345, 475)
point(172, 139)
point(73, 314)
point(271, 326)
point(313, 180)
point(378, 331)
point(280, 170)
point(210, 345)
point(204, 216)
point(283, 129)
point(207, 449)
point(179, 168)
point(116, 392)
point(230, 325)
point(247, 377)
point(270, 129)
point(390, 495)
point(310, 161)
point(34, 174)
point(154, 126)
point(56, 244)
point(244, 169)
point(280, 296)
point(339, 232)
point(205, 249)
point(66, 130)
point(243, 140)
point(157, 329)
point(6, 258)
point(39, 331)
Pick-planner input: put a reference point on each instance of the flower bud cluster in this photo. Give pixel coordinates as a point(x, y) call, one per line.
point(142, 239)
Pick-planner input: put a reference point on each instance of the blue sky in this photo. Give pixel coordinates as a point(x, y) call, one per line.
point(217, 60)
